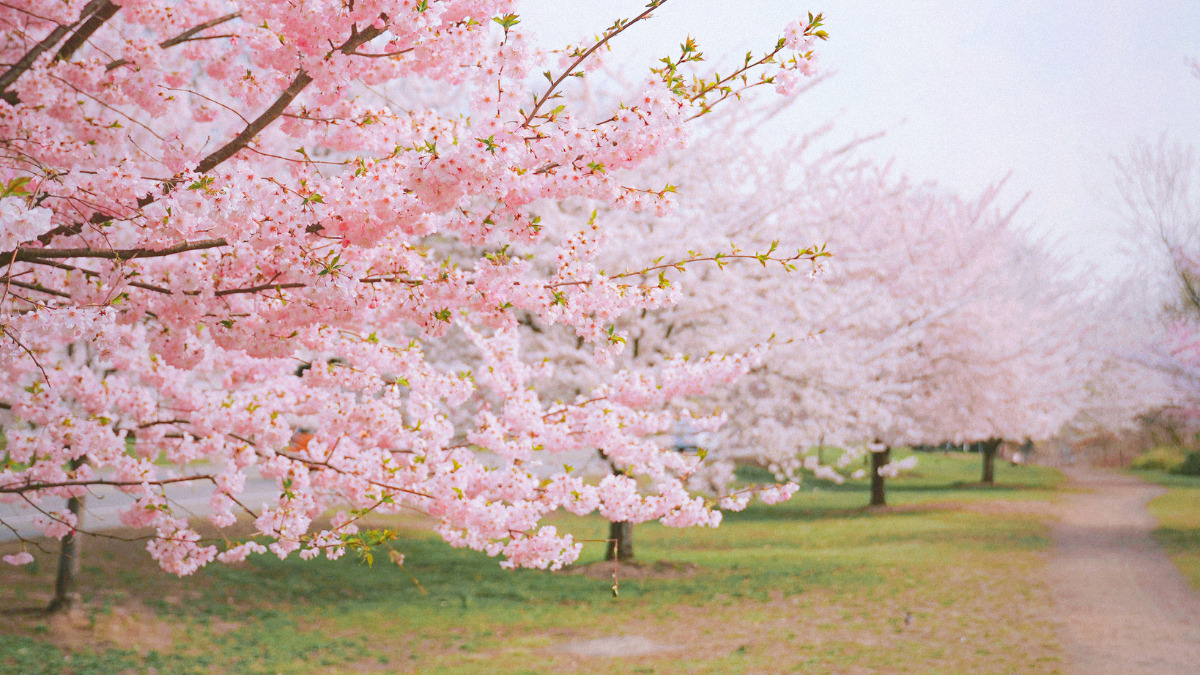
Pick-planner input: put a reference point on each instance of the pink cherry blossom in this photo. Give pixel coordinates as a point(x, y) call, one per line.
point(22, 558)
point(301, 241)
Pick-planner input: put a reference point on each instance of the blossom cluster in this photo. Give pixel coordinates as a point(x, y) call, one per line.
point(225, 222)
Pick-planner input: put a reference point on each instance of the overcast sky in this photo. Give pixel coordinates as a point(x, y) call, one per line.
point(966, 91)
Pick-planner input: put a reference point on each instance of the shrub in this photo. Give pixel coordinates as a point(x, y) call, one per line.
point(1162, 458)
point(1190, 466)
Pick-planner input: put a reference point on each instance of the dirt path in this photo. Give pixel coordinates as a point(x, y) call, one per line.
point(1122, 605)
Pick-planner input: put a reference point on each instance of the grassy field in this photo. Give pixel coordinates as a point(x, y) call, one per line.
point(946, 580)
point(1178, 514)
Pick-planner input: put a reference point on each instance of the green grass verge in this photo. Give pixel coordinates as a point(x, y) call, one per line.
point(1178, 514)
point(944, 581)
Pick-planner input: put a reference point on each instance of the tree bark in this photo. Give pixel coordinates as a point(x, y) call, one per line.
point(68, 561)
point(988, 450)
point(620, 542)
point(878, 487)
point(104, 11)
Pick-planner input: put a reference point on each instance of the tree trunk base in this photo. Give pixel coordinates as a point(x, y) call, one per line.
point(878, 484)
point(64, 603)
point(988, 450)
point(65, 596)
point(620, 542)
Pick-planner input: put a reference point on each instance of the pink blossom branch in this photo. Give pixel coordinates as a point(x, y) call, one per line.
point(32, 254)
point(185, 36)
point(103, 13)
point(35, 487)
point(302, 80)
point(612, 32)
point(19, 68)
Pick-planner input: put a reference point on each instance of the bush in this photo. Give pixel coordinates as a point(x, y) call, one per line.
point(1190, 466)
point(1162, 458)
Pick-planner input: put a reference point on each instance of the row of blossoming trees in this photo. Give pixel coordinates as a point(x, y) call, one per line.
point(400, 226)
point(936, 321)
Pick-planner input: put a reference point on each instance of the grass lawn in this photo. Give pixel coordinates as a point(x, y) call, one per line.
point(946, 580)
point(1178, 514)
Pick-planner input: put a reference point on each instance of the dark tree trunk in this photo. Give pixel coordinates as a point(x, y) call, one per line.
point(68, 561)
point(878, 488)
point(988, 450)
point(620, 542)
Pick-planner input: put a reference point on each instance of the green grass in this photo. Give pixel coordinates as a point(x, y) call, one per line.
point(817, 583)
point(1178, 514)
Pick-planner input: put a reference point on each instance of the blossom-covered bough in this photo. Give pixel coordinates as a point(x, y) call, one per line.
point(226, 221)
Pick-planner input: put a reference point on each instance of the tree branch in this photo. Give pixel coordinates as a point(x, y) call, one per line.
point(357, 39)
point(616, 30)
point(182, 37)
point(103, 13)
point(253, 289)
point(302, 80)
point(18, 69)
point(35, 254)
point(39, 288)
point(32, 487)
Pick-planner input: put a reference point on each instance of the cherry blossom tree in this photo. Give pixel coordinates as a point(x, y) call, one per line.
point(879, 314)
point(724, 191)
point(1016, 362)
point(935, 321)
point(1129, 382)
point(224, 221)
point(1158, 185)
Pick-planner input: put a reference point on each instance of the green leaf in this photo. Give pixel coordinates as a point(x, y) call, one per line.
point(507, 21)
point(16, 187)
point(202, 183)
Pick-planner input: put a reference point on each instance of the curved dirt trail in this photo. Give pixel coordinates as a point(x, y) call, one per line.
point(1122, 605)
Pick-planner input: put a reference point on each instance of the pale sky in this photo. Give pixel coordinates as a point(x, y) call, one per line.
point(966, 91)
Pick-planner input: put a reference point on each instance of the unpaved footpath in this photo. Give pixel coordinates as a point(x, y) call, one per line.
point(1122, 605)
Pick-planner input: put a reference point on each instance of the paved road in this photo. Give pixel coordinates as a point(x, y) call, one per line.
point(102, 505)
point(1123, 607)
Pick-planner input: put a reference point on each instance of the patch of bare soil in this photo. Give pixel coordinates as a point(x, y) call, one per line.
point(615, 646)
point(1122, 606)
point(635, 569)
point(127, 627)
